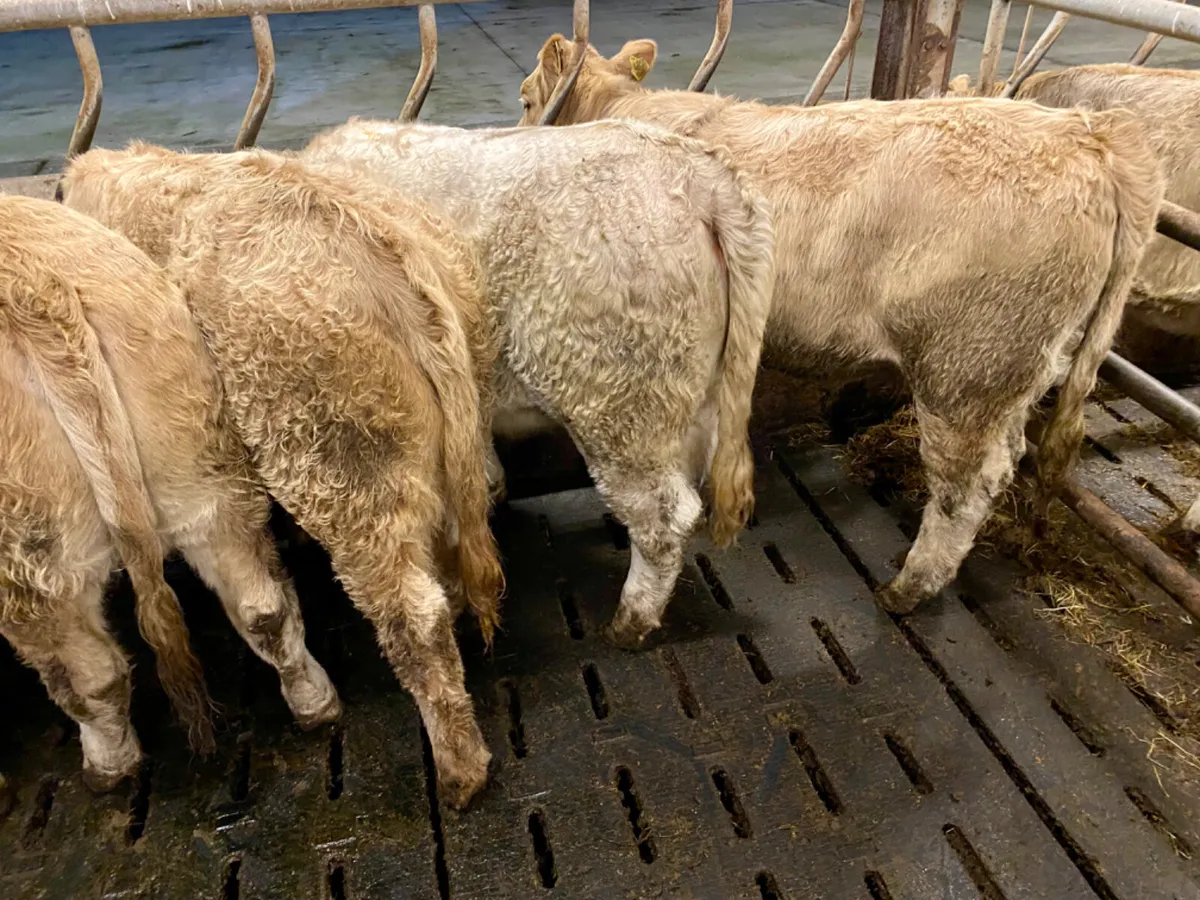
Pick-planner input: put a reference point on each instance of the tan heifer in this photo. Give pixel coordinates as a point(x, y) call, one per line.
point(338, 331)
point(630, 271)
point(113, 443)
point(1166, 292)
point(984, 248)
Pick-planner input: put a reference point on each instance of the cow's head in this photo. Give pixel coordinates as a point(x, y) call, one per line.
point(601, 81)
point(960, 86)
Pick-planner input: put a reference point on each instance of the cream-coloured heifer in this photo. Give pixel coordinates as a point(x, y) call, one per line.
point(630, 274)
point(1166, 292)
point(114, 446)
point(347, 336)
point(985, 248)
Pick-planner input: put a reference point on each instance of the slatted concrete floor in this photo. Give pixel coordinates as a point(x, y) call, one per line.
point(782, 738)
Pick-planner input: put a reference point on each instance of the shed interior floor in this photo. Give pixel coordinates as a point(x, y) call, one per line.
point(781, 737)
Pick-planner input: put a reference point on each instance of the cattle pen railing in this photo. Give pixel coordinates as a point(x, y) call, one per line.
point(913, 58)
point(79, 16)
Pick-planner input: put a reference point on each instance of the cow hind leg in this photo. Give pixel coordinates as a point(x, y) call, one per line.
point(661, 510)
point(243, 568)
point(398, 591)
point(966, 468)
point(87, 675)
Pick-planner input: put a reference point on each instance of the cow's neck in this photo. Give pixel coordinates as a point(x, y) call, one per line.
point(684, 112)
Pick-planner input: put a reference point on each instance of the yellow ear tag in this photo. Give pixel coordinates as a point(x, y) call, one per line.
point(638, 67)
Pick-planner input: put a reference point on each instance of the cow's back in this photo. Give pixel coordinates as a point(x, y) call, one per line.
point(880, 206)
point(607, 196)
point(1167, 102)
point(136, 314)
point(595, 239)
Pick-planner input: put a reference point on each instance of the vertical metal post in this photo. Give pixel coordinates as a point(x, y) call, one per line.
point(1024, 35)
point(934, 53)
point(1148, 46)
point(895, 50)
point(566, 80)
point(993, 43)
point(93, 91)
point(264, 88)
point(716, 50)
point(842, 49)
point(429, 54)
point(1036, 54)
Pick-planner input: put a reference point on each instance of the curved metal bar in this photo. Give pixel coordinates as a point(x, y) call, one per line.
point(1149, 45)
point(1167, 17)
point(716, 50)
point(993, 43)
point(566, 81)
point(93, 91)
point(845, 43)
point(1036, 54)
point(1134, 546)
point(1024, 35)
point(849, 71)
point(264, 48)
point(429, 54)
point(1173, 408)
point(22, 15)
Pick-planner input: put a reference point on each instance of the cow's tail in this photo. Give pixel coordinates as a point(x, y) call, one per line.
point(65, 352)
point(1138, 189)
point(742, 226)
point(455, 361)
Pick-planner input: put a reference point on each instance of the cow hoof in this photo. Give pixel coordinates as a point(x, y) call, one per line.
point(325, 715)
point(313, 700)
point(102, 782)
point(626, 638)
point(8, 797)
point(896, 602)
point(459, 788)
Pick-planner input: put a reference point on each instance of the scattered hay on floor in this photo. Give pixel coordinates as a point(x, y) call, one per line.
point(1174, 754)
point(1075, 579)
point(889, 455)
point(804, 433)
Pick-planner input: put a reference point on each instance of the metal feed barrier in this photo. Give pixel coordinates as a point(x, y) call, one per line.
point(80, 15)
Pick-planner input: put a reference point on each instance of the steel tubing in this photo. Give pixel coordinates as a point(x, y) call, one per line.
point(264, 48)
point(93, 91)
point(716, 50)
point(842, 49)
point(429, 54)
point(566, 80)
point(23, 15)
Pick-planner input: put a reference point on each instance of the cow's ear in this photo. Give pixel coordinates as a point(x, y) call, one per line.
point(959, 84)
point(553, 55)
point(636, 59)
